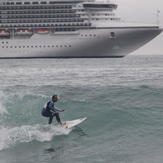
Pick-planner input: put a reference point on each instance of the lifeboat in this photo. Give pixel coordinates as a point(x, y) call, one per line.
point(23, 32)
point(42, 31)
point(4, 33)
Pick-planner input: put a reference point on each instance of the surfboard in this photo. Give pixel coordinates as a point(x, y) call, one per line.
point(70, 124)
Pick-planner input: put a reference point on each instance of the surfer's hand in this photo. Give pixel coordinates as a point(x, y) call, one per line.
point(62, 110)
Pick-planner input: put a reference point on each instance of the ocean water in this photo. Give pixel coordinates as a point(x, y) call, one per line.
point(121, 98)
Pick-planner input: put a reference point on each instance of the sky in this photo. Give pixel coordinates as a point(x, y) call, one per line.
point(143, 11)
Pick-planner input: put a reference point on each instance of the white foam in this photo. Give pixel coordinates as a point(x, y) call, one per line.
point(3, 109)
point(10, 137)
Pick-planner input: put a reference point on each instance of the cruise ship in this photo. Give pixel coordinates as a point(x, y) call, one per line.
point(68, 28)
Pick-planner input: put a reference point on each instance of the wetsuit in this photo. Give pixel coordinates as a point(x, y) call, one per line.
point(49, 110)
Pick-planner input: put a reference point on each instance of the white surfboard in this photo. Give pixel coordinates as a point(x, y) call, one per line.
point(70, 124)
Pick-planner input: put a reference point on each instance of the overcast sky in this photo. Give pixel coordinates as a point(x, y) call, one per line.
point(143, 11)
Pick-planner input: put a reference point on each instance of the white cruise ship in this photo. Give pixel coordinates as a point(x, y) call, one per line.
point(68, 28)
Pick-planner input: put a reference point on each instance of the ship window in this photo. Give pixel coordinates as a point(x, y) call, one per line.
point(26, 3)
point(51, 2)
point(34, 2)
point(43, 2)
point(112, 35)
point(18, 3)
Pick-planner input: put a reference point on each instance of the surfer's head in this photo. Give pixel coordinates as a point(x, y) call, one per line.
point(55, 98)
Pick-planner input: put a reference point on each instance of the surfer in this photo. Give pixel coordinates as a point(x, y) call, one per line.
point(49, 110)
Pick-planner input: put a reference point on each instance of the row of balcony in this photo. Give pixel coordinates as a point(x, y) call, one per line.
point(41, 16)
point(36, 11)
point(44, 25)
point(41, 2)
point(37, 21)
point(35, 7)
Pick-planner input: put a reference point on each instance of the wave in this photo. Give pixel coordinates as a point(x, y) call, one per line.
point(111, 107)
point(2, 107)
point(3, 110)
point(24, 134)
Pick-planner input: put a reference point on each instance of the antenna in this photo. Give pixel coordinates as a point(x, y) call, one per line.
point(158, 11)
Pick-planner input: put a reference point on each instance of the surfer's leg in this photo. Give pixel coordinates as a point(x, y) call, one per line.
point(48, 114)
point(50, 119)
point(58, 118)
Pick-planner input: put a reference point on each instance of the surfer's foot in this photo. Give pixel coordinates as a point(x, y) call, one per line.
point(63, 124)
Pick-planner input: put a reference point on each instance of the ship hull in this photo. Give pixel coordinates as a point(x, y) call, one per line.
point(83, 44)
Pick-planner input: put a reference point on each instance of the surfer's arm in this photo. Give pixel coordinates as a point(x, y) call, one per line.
point(58, 110)
point(52, 109)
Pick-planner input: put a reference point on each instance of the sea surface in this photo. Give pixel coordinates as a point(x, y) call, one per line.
point(122, 99)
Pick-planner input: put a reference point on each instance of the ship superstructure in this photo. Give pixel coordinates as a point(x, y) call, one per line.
point(68, 28)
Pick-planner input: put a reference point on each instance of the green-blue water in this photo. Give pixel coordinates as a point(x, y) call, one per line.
point(121, 98)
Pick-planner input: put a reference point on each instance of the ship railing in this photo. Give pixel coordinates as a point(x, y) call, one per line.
point(52, 28)
point(43, 25)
